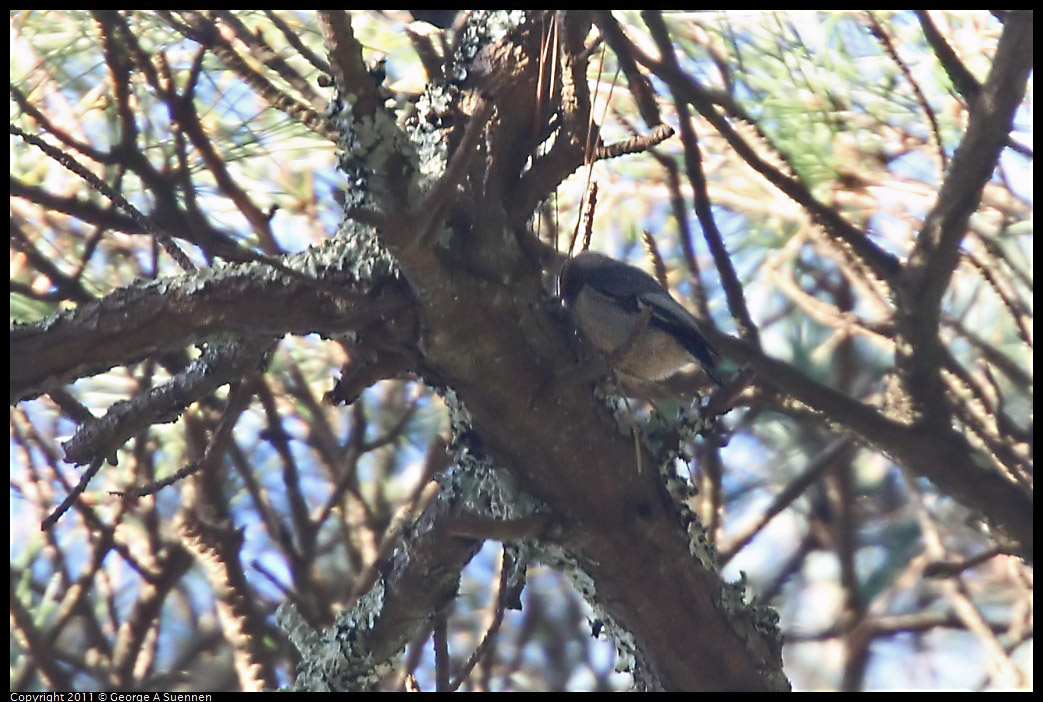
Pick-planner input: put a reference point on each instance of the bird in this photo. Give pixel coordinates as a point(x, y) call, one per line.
point(628, 316)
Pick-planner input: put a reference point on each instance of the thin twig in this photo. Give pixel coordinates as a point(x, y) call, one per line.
point(117, 198)
point(70, 499)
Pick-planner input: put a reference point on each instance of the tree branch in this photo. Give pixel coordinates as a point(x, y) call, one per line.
point(136, 322)
point(936, 254)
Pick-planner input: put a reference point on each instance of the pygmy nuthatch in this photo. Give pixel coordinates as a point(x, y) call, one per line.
point(624, 312)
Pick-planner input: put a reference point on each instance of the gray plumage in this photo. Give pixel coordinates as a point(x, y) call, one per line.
point(606, 299)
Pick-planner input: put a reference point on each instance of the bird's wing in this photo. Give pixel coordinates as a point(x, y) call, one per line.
point(671, 317)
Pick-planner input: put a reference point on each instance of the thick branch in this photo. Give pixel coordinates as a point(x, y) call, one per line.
point(221, 364)
point(139, 321)
point(418, 581)
point(349, 70)
point(946, 458)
